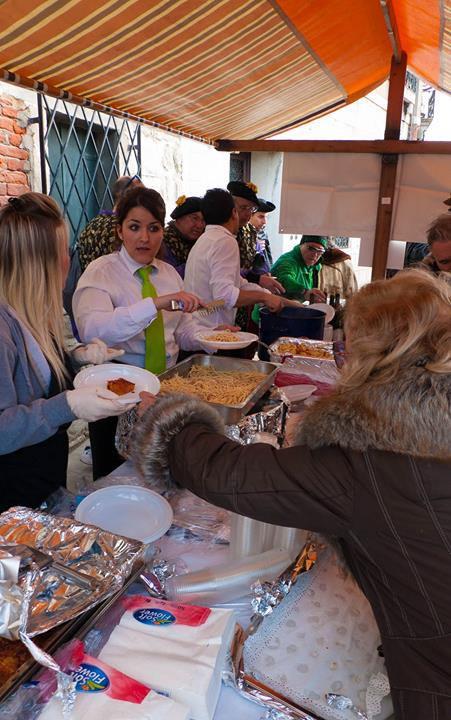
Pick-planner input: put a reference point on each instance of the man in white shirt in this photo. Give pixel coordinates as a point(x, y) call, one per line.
point(213, 265)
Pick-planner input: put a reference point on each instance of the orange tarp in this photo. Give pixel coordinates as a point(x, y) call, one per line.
point(218, 68)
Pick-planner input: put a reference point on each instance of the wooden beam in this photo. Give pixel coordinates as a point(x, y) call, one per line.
point(384, 147)
point(389, 164)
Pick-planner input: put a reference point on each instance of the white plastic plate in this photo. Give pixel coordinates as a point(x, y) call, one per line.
point(243, 339)
point(328, 310)
point(129, 510)
point(97, 376)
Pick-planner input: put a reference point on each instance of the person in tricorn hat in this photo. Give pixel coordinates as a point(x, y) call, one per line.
point(246, 204)
point(180, 234)
point(298, 270)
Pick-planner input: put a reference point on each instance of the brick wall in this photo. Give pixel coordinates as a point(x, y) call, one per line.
point(14, 157)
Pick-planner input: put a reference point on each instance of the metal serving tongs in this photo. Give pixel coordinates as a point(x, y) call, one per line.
point(29, 555)
point(203, 311)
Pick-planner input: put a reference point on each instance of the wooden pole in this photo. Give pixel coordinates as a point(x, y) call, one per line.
point(389, 164)
point(400, 147)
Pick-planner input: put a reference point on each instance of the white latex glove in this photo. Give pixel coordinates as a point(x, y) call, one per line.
point(88, 403)
point(95, 353)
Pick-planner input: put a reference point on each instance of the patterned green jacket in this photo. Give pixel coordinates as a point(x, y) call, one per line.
point(97, 239)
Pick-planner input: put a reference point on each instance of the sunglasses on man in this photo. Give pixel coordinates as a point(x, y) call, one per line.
point(315, 250)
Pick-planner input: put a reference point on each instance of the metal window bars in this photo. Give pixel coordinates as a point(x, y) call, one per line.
point(82, 152)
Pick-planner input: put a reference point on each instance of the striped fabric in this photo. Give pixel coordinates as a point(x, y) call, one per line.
point(208, 68)
point(445, 44)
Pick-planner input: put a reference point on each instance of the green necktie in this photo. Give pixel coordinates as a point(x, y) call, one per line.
point(155, 359)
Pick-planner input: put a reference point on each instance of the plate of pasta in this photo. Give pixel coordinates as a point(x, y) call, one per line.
point(226, 339)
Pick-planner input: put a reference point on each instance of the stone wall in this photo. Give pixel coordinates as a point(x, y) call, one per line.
point(14, 157)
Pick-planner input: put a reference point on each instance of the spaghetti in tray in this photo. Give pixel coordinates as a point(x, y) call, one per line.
point(226, 387)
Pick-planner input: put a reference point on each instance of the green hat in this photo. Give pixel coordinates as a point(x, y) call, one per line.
point(318, 239)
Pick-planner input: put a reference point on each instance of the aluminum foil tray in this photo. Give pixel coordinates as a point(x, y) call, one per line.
point(231, 414)
point(278, 354)
point(107, 559)
point(20, 666)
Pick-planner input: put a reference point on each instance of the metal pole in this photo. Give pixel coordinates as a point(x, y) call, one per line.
point(42, 145)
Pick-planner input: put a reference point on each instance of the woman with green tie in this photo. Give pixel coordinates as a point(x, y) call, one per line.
point(124, 298)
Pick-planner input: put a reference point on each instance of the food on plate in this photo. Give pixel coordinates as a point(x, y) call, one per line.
point(314, 351)
point(224, 387)
point(120, 386)
point(225, 336)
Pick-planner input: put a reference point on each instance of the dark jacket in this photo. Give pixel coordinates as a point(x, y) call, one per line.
point(372, 468)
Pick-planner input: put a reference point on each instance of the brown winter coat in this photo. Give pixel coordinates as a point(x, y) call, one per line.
point(372, 468)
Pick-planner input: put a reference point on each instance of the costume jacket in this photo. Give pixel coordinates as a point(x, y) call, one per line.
point(175, 248)
point(373, 468)
point(98, 238)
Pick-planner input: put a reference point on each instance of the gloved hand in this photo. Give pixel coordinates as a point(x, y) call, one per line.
point(88, 403)
point(95, 353)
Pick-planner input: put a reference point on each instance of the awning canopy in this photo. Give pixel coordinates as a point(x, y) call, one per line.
point(221, 68)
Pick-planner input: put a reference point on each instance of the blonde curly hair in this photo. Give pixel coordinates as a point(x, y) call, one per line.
point(395, 324)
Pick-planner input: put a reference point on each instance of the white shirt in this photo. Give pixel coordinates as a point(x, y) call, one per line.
point(108, 304)
point(213, 273)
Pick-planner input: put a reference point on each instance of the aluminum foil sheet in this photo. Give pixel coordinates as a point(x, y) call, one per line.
point(267, 597)
point(9, 566)
point(316, 352)
point(340, 702)
point(270, 421)
point(106, 559)
point(277, 707)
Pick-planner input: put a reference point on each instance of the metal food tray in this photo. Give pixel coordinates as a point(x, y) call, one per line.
point(53, 639)
point(279, 357)
point(231, 414)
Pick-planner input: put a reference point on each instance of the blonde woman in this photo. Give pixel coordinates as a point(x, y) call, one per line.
point(372, 466)
point(36, 400)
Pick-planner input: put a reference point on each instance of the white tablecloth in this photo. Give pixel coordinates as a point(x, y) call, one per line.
point(196, 555)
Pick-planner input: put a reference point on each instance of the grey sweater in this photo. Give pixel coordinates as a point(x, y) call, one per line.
point(27, 415)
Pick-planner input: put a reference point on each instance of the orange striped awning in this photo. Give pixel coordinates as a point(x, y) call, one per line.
point(219, 68)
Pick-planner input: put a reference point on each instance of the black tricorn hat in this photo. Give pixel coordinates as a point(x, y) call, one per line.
point(265, 206)
point(185, 205)
point(248, 191)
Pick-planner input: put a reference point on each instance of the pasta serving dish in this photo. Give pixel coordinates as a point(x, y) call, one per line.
point(231, 385)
